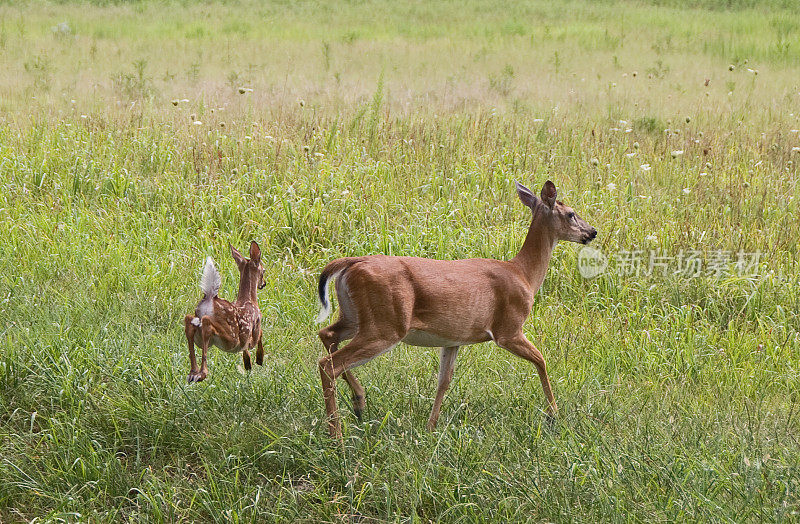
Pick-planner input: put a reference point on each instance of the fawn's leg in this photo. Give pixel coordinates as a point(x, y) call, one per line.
point(260, 351)
point(246, 359)
point(209, 328)
point(190, 330)
point(447, 362)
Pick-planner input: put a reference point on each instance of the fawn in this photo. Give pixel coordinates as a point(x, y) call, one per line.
point(385, 300)
point(231, 326)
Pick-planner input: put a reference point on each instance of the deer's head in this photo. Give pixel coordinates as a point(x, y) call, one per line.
point(560, 219)
point(250, 270)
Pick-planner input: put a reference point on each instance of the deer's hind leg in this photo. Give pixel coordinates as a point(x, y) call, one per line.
point(361, 349)
point(447, 362)
point(340, 330)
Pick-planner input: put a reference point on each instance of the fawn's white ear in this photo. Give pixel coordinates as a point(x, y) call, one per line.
point(240, 260)
point(549, 194)
point(526, 196)
point(255, 252)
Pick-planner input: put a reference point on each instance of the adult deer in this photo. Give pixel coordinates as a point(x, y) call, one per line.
point(231, 326)
point(385, 300)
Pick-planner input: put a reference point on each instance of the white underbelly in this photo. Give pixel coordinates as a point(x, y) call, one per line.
point(416, 337)
point(217, 342)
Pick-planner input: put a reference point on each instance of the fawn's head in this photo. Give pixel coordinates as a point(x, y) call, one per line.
point(250, 270)
point(559, 218)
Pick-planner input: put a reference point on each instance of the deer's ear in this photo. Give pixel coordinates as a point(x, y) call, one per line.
point(255, 252)
point(549, 194)
point(526, 196)
point(237, 256)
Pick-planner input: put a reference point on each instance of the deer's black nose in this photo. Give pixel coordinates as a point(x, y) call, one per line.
point(593, 234)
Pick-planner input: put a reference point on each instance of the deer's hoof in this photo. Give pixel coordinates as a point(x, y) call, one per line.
point(359, 404)
point(197, 376)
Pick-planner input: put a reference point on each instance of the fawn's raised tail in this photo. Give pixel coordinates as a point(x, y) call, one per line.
point(210, 281)
point(330, 271)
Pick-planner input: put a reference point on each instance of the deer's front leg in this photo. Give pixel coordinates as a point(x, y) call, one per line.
point(190, 330)
point(522, 347)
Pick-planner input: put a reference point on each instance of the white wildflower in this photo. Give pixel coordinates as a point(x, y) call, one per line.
point(676, 153)
point(62, 29)
point(645, 167)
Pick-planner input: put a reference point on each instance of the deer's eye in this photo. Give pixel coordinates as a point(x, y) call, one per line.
point(571, 215)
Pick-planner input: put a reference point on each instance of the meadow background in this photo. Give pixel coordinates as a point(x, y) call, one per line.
point(138, 138)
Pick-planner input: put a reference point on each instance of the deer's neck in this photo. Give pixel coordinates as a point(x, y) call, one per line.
point(248, 288)
point(534, 256)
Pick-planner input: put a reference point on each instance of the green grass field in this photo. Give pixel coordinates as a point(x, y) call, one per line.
point(137, 139)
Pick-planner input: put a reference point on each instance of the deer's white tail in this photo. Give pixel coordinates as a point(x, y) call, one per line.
point(210, 281)
point(331, 271)
point(322, 296)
